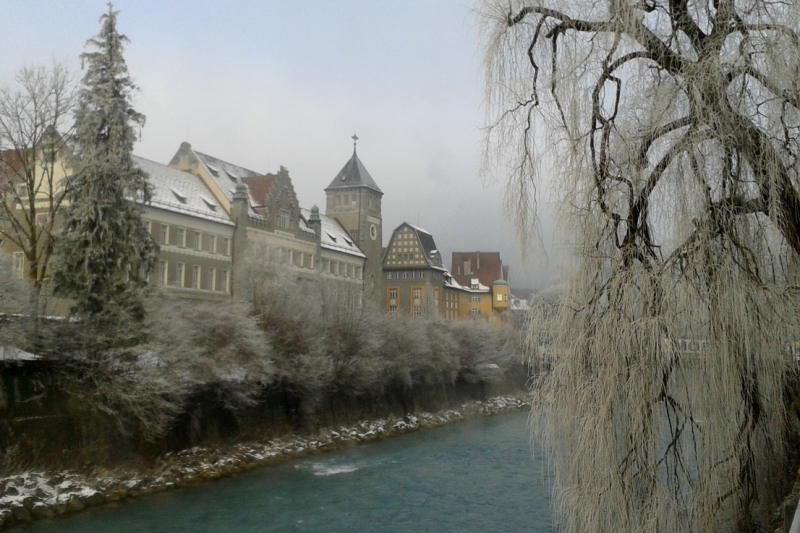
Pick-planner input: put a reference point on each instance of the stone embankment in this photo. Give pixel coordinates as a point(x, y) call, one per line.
point(39, 495)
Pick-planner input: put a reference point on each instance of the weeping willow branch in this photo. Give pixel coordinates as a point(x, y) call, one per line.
point(673, 129)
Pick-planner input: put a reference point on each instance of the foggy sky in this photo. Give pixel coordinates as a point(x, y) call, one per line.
point(265, 84)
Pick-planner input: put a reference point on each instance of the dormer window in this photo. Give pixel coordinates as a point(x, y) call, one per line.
point(233, 177)
point(211, 205)
point(214, 170)
point(179, 195)
point(331, 237)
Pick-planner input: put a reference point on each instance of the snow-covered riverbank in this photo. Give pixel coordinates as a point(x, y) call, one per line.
point(36, 495)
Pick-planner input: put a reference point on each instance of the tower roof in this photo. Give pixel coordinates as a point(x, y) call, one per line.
point(353, 175)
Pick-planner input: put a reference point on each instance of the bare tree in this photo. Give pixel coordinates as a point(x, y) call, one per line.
point(673, 128)
point(34, 165)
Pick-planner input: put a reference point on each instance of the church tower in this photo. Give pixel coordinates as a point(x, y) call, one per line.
point(354, 199)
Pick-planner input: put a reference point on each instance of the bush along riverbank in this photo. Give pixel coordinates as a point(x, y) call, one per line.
point(36, 495)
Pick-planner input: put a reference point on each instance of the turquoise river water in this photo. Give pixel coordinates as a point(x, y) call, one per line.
point(476, 476)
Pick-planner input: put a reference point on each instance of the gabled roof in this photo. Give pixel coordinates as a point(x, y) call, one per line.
point(353, 175)
point(334, 236)
point(432, 255)
point(181, 192)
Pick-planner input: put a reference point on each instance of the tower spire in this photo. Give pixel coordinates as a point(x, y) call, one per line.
point(355, 140)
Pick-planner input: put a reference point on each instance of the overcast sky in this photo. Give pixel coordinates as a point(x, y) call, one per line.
point(268, 83)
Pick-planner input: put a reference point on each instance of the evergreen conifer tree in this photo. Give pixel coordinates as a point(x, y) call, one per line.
point(105, 252)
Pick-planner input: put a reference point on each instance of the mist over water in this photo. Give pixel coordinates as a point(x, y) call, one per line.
point(477, 476)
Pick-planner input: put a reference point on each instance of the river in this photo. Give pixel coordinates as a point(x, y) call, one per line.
point(475, 476)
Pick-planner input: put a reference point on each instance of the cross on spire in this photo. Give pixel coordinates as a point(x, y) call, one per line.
point(355, 140)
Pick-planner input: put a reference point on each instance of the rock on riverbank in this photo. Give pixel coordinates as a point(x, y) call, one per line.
point(39, 495)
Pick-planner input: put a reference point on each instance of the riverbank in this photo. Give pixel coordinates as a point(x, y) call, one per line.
point(41, 495)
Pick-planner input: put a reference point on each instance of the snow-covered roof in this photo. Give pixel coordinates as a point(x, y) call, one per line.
point(475, 284)
point(334, 236)
point(354, 174)
point(181, 192)
point(450, 282)
point(227, 175)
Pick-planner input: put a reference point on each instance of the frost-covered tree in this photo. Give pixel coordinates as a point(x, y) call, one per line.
point(105, 252)
point(672, 128)
point(34, 166)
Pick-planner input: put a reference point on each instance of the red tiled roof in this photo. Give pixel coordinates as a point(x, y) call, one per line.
point(11, 161)
point(260, 187)
point(486, 266)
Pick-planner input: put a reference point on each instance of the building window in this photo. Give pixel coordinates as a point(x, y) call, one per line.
point(436, 297)
point(311, 261)
point(474, 298)
point(212, 278)
point(301, 260)
point(212, 244)
point(392, 310)
point(475, 312)
point(467, 268)
point(335, 267)
point(357, 272)
point(291, 257)
point(393, 294)
point(226, 279)
point(22, 191)
point(416, 301)
point(196, 276)
point(149, 225)
point(182, 237)
point(18, 264)
point(198, 240)
point(226, 246)
point(388, 275)
point(284, 219)
point(180, 275)
point(162, 272)
point(164, 233)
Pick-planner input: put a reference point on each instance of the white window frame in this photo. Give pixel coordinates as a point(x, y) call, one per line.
point(163, 271)
point(212, 243)
point(198, 241)
point(212, 278)
point(196, 276)
point(226, 243)
point(226, 277)
point(164, 233)
point(180, 274)
point(182, 237)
